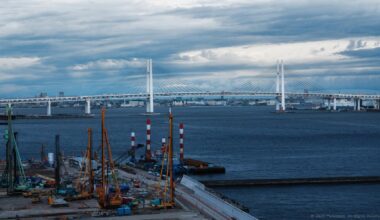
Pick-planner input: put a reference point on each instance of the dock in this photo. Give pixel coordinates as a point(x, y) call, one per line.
point(291, 181)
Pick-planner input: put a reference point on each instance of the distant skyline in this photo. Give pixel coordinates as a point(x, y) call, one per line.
point(96, 47)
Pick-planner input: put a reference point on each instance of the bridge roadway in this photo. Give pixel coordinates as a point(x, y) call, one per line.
point(181, 94)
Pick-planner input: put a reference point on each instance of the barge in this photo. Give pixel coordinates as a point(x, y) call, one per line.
point(198, 167)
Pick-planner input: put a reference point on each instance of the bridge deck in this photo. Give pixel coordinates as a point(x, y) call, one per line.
point(181, 94)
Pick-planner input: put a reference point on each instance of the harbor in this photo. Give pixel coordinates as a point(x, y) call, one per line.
point(97, 185)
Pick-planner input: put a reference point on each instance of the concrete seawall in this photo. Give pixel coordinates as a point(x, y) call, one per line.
point(194, 193)
point(295, 181)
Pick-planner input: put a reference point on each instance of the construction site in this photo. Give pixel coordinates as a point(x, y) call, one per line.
point(98, 185)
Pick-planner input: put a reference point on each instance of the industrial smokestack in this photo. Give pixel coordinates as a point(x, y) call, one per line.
point(133, 145)
point(181, 136)
point(163, 146)
point(147, 151)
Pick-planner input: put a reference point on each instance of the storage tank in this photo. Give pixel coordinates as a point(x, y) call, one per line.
point(51, 159)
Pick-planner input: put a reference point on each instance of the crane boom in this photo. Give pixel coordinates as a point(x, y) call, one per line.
point(105, 200)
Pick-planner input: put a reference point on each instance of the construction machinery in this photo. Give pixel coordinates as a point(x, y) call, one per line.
point(85, 183)
point(54, 201)
point(13, 177)
point(36, 197)
point(167, 201)
point(60, 186)
point(61, 181)
point(106, 199)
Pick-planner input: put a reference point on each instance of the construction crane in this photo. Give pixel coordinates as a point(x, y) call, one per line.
point(61, 188)
point(14, 176)
point(85, 182)
point(166, 202)
point(105, 199)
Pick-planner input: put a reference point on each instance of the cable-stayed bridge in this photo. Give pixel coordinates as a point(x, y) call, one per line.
point(278, 90)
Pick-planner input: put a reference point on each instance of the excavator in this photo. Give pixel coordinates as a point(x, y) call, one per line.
point(105, 199)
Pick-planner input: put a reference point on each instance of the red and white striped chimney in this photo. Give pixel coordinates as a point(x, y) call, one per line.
point(147, 151)
point(181, 135)
point(133, 140)
point(133, 144)
point(163, 145)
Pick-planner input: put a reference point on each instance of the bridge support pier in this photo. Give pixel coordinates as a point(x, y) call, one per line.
point(329, 104)
point(357, 104)
point(376, 104)
point(48, 111)
point(334, 104)
point(277, 105)
point(87, 107)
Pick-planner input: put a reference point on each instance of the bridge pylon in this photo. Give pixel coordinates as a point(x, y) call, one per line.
point(278, 86)
point(283, 105)
point(357, 104)
point(87, 107)
point(149, 87)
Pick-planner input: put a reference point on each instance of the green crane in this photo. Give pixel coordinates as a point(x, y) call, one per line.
point(13, 177)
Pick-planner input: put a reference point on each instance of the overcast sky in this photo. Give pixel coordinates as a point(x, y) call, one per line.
point(95, 47)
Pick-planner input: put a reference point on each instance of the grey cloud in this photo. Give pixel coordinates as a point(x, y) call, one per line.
point(73, 35)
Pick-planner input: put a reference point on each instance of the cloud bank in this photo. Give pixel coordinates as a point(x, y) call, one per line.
point(94, 47)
